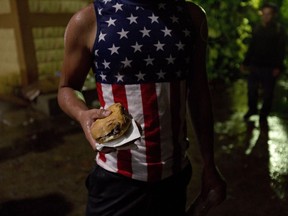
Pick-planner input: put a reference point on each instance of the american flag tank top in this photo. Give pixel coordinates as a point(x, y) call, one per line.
point(141, 59)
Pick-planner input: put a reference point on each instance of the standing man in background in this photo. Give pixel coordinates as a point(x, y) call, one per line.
point(264, 60)
point(150, 56)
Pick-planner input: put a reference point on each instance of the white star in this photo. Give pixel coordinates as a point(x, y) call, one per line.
point(170, 60)
point(96, 52)
point(178, 73)
point(106, 64)
point(119, 77)
point(140, 76)
point(179, 8)
point(96, 64)
point(101, 37)
point(117, 7)
point(132, 19)
point(137, 47)
point(145, 32)
point(159, 46)
point(161, 74)
point(123, 33)
point(114, 49)
point(127, 62)
point(111, 21)
point(106, 1)
point(100, 11)
point(161, 6)
point(186, 32)
point(103, 77)
point(154, 18)
point(180, 45)
point(149, 61)
point(166, 31)
point(174, 19)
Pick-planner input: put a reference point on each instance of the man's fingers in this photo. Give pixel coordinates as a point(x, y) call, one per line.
point(100, 113)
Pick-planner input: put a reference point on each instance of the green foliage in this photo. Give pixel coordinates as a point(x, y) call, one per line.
point(284, 12)
point(230, 24)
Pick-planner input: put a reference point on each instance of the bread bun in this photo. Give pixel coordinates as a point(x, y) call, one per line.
point(113, 126)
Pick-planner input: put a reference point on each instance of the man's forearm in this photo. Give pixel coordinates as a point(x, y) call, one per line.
point(71, 102)
point(202, 118)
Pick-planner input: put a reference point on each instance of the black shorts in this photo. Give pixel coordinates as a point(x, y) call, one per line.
point(111, 194)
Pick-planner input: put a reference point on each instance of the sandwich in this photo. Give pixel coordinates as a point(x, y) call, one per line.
point(113, 126)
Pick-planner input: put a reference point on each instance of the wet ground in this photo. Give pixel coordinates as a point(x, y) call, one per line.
point(44, 159)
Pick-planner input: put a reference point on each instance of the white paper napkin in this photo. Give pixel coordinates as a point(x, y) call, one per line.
point(121, 143)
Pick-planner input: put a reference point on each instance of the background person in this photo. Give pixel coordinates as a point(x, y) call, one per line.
point(264, 60)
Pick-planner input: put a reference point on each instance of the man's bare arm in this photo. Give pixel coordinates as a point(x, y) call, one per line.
point(78, 42)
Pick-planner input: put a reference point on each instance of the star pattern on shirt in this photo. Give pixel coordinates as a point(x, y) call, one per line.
point(101, 36)
point(137, 47)
point(159, 46)
point(140, 76)
point(123, 34)
point(114, 49)
point(144, 46)
point(132, 19)
point(180, 45)
point(106, 64)
point(127, 62)
point(166, 31)
point(161, 74)
point(174, 19)
point(117, 7)
point(170, 60)
point(111, 22)
point(120, 78)
point(153, 18)
point(149, 60)
point(145, 32)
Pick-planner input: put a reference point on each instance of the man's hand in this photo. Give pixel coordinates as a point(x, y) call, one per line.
point(86, 119)
point(212, 194)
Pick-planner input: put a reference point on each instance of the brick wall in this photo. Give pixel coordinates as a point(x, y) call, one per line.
point(31, 47)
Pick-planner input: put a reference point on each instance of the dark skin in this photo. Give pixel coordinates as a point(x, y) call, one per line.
point(200, 107)
point(79, 40)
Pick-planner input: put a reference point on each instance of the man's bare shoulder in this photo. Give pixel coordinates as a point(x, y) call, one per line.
point(83, 18)
point(197, 13)
point(80, 30)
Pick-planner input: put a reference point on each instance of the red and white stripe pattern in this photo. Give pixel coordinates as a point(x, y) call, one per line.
point(142, 55)
point(163, 144)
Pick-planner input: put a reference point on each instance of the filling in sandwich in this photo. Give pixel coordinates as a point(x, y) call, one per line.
point(113, 133)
